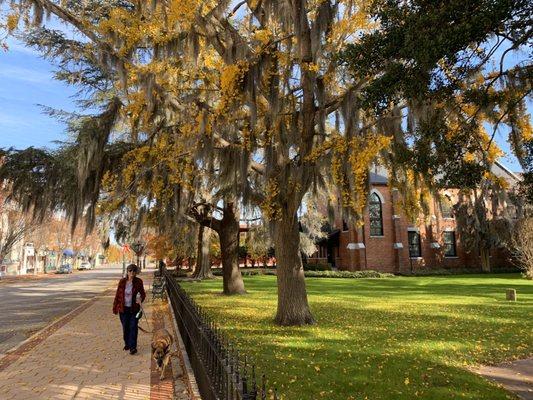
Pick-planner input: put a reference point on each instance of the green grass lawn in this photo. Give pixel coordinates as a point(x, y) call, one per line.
point(395, 338)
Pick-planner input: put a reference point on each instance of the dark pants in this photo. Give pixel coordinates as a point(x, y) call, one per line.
point(130, 327)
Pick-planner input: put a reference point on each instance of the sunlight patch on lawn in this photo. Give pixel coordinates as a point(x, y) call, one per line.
point(374, 335)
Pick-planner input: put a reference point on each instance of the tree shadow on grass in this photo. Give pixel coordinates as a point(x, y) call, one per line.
point(313, 371)
point(374, 337)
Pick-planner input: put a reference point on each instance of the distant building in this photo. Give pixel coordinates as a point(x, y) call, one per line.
point(388, 242)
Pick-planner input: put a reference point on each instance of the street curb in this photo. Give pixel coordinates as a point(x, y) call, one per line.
point(42, 275)
point(160, 389)
point(188, 373)
point(18, 351)
point(178, 373)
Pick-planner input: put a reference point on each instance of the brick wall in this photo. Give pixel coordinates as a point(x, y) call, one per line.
point(379, 252)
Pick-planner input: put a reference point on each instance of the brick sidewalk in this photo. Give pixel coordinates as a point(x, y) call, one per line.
point(82, 358)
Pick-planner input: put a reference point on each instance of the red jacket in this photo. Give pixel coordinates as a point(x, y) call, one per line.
point(118, 304)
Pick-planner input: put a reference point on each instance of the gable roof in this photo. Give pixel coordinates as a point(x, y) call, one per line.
point(380, 176)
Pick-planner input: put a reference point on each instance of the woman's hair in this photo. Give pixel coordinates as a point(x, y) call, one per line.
point(133, 268)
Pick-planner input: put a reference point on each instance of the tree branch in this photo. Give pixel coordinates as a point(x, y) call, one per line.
point(67, 16)
point(203, 218)
point(255, 166)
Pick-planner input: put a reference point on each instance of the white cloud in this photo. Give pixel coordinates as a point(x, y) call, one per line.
point(13, 121)
point(25, 75)
point(17, 47)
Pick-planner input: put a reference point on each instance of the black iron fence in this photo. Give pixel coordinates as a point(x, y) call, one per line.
point(221, 372)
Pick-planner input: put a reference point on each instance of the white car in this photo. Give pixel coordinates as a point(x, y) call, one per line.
point(85, 265)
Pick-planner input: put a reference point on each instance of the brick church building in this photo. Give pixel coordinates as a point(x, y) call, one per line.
point(388, 242)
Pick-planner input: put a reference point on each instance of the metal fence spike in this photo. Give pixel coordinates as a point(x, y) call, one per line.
point(225, 372)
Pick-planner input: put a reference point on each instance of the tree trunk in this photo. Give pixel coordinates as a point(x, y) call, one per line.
point(228, 234)
point(203, 264)
point(485, 259)
point(293, 308)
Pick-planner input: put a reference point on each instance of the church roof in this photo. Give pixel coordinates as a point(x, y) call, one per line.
point(379, 174)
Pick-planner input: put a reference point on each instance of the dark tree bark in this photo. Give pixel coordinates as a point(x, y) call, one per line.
point(203, 263)
point(485, 259)
point(228, 234)
point(293, 308)
point(227, 229)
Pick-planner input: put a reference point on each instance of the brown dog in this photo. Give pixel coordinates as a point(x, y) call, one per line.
point(161, 342)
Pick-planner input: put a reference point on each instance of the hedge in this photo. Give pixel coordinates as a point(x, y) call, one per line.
point(317, 274)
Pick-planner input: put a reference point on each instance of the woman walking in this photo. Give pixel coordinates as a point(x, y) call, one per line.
point(130, 294)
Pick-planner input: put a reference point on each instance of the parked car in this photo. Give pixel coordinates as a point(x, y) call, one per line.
point(85, 265)
point(64, 269)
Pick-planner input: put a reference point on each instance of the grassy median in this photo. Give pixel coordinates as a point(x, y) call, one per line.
point(393, 338)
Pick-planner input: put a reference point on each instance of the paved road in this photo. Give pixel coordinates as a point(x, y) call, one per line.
point(29, 305)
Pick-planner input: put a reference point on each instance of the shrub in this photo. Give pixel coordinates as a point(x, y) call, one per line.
point(347, 274)
point(440, 271)
point(317, 267)
point(454, 271)
point(253, 272)
point(249, 271)
point(315, 274)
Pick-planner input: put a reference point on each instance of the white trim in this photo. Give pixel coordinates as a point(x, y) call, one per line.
point(452, 257)
point(449, 229)
point(416, 258)
point(395, 216)
point(377, 236)
point(355, 246)
point(512, 174)
point(397, 246)
point(377, 192)
point(413, 229)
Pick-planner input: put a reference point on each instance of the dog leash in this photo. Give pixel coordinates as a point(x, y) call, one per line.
point(143, 314)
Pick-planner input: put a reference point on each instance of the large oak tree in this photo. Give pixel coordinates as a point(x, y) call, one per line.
point(263, 82)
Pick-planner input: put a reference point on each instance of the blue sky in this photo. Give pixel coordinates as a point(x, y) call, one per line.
point(26, 82)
